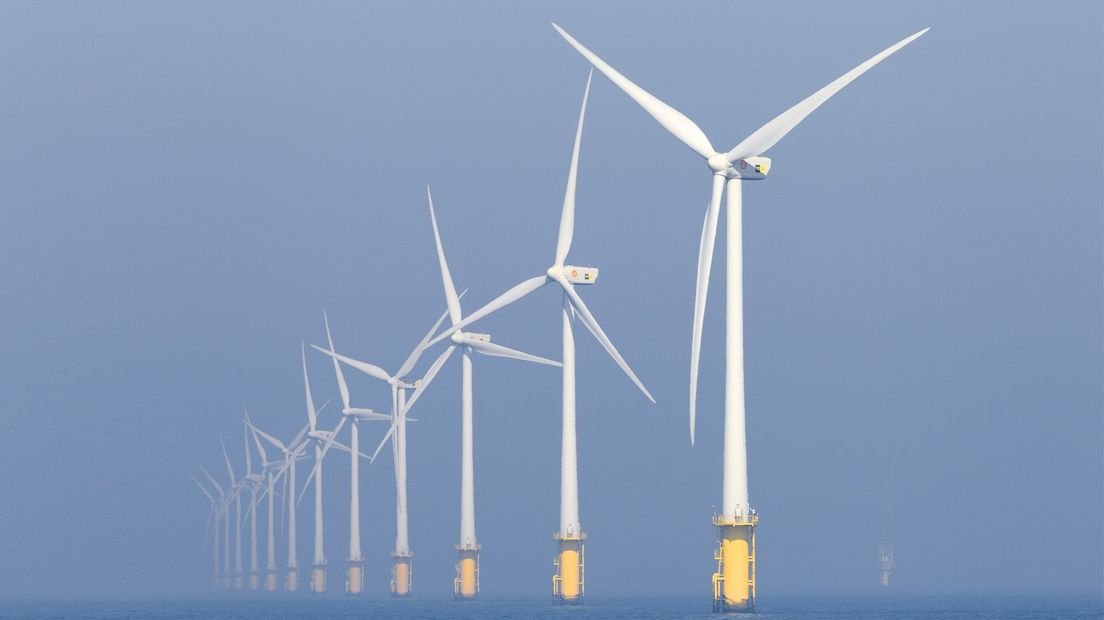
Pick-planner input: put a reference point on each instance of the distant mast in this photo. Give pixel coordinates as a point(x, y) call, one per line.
point(885, 563)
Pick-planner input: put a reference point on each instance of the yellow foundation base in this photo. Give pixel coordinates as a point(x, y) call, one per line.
point(270, 581)
point(465, 586)
point(293, 580)
point(734, 581)
point(254, 581)
point(354, 579)
point(568, 584)
point(402, 576)
point(238, 583)
point(318, 579)
point(226, 583)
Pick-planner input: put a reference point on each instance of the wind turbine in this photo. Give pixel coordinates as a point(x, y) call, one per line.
point(224, 501)
point(269, 483)
point(354, 580)
point(568, 583)
point(291, 453)
point(236, 487)
point(734, 582)
point(253, 482)
point(319, 438)
point(466, 583)
point(212, 516)
point(402, 581)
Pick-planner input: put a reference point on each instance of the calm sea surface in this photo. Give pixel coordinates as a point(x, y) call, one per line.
point(803, 608)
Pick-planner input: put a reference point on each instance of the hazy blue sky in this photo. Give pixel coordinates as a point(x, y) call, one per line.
point(184, 187)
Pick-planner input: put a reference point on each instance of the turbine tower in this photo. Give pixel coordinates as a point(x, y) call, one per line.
point(402, 576)
point(568, 582)
point(236, 486)
point(354, 579)
point(466, 583)
point(734, 582)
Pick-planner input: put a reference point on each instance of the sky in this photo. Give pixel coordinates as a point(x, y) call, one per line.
point(186, 187)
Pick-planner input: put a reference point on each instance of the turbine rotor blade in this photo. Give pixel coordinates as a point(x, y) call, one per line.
point(701, 290)
point(497, 350)
point(386, 436)
point(567, 217)
point(595, 329)
point(428, 378)
point(768, 135)
point(672, 120)
point(312, 415)
point(412, 359)
point(503, 300)
point(341, 385)
point(364, 367)
point(451, 298)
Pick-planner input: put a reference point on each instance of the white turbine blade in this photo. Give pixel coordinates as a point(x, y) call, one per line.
point(446, 278)
point(503, 300)
point(497, 350)
point(386, 436)
point(412, 359)
point(201, 487)
point(269, 438)
point(229, 467)
point(428, 378)
point(672, 120)
point(701, 290)
point(596, 329)
point(214, 482)
point(257, 441)
point(341, 386)
point(567, 216)
point(768, 135)
point(364, 367)
point(312, 415)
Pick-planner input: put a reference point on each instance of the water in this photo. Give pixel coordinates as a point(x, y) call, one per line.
point(798, 608)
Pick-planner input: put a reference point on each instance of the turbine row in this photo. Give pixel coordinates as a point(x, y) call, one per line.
point(733, 583)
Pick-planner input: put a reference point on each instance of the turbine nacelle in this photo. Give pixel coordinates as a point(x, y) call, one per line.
point(749, 169)
point(573, 274)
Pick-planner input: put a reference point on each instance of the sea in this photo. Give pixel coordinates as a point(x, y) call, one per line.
point(783, 608)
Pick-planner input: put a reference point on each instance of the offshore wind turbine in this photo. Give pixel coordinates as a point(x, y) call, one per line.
point(224, 500)
point(236, 486)
point(466, 583)
point(568, 584)
point(212, 517)
point(402, 575)
point(253, 482)
point(734, 582)
point(318, 438)
point(354, 579)
point(269, 489)
point(291, 452)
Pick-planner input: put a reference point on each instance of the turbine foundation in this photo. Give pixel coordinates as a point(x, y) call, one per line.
point(568, 584)
point(238, 583)
point(318, 579)
point(354, 578)
point(734, 581)
point(254, 581)
point(402, 575)
point(293, 579)
point(465, 586)
point(270, 581)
